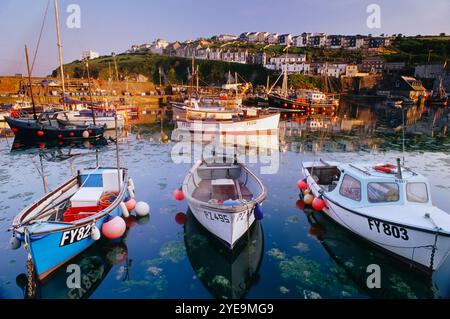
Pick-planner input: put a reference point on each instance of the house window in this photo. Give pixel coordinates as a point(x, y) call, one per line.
point(382, 192)
point(350, 188)
point(417, 192)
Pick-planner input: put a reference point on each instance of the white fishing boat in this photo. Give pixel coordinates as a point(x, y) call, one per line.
point(224, 197)
point(388, 205)
point(221, 120)
point(103, 118)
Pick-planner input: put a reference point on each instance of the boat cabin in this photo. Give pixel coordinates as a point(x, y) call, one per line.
point(54, 119)
point(368, 184)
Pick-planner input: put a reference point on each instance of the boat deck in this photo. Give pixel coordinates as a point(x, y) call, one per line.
point(205, 192)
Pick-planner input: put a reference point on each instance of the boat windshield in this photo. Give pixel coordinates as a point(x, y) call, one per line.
point(350, 188)
point(417, 192)
point(382, 192)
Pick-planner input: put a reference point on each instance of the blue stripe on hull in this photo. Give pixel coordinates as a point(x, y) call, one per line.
point(48, 254)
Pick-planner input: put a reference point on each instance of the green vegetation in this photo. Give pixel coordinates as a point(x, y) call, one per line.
point(175, 69)
point(411, 50)
point(417, 49)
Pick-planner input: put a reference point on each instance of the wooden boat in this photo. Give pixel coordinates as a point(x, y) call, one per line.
point(388, 205)
point(61, 224)
point(352, 256)
point(220, 120)
point(52, 126)
point(211, 260)
point(307, 102)
point(223, 196)
point(102, 118)
point(95, 264)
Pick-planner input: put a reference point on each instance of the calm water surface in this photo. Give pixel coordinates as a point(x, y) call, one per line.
point(292, 253)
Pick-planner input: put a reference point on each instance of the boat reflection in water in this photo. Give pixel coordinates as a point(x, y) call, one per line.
point(27, 146)
point(95, 263)
point(224, 273)
point(353, 256)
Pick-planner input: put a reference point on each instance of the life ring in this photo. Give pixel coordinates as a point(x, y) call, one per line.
point(386, 168)
point(107, 199)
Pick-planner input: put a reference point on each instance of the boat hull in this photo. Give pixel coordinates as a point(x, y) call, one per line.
point(49, 254)
point(307, 108)
point(29, 130)
point(413, 244)
point(267, 124)
point(108, 122)
point(228, 227)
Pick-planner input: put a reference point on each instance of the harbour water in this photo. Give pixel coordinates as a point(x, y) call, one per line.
point(292, 253)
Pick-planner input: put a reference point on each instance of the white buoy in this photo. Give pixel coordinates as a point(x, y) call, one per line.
point(85, 134)
point(125, 212)
point(95, 233)
point(14, 243)
point(131, 183)
point(130, 191)
point(142, 209)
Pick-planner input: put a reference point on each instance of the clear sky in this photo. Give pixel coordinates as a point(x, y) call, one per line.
point(114, 25)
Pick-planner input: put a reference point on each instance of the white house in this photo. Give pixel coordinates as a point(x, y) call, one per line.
point(226, 38)
point(295, 63)
point(273, 38)
point(215, 54)
point(202, 53)
point(332, 69)
point(253, 37)
point(285, 39)
point(89, 55)
point(235, 55)
point(429, 71)
point(318, 40)
point(301, 41)
point(158, 46)
point(263, 36)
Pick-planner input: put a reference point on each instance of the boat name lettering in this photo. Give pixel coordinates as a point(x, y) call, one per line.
point(388, 229)
point(215, 216)
point(75, 235)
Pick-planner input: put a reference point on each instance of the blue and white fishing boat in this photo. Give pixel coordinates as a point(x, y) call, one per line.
point(66, 221)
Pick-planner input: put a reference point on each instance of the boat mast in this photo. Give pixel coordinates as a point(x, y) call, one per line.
point(58, 34)
point(284, 88)
point(117, 148)
point(90, 92)
point(29, 83)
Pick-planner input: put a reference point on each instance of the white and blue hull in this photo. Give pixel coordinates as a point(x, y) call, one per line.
point(411, 243)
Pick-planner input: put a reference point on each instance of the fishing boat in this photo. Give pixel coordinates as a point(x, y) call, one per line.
point(221, 120)
point(95, 264)
point(438, 96)
point(352, 257)
point(224, 197)
point(52, 126)
point(305, 101)
point(66, 221)
point(388, 205)
point(105, 118)
point(210, 260)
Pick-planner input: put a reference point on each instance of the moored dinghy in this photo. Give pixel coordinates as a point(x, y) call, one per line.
point(223, 196)
point(67, 221)
point(388, 205)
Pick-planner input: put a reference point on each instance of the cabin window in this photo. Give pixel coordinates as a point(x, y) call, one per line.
point(417, 192)
point(382, 192)
point(350, 188)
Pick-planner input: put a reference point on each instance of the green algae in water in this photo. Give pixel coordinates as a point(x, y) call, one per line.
point(276, 253)
point(173, 251)
point(302, 247)
point(293, 219)
point(284, 290)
